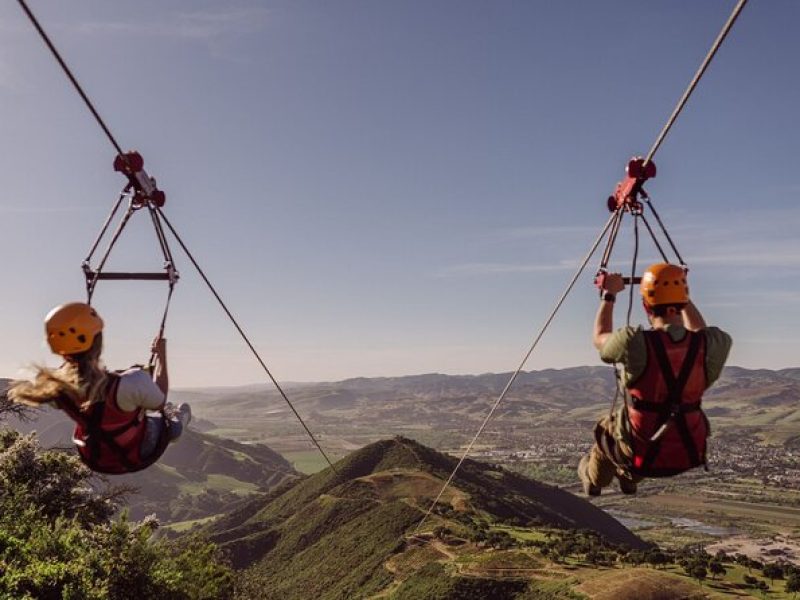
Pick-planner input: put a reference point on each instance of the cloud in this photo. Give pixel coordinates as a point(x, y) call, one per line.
point(756, 259)
point(539, 231)
point(204, 26)
point(761, 239)
point(749, 239)
point(488, 268)
point(757, 299)
point(41, 210)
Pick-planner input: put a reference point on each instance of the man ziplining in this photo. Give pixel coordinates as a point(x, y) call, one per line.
point(660, 430)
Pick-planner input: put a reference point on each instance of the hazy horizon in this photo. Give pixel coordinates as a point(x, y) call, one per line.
point(384, 187)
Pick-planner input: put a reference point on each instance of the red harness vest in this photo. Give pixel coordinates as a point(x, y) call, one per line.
point(669, 429)
point(109, 439)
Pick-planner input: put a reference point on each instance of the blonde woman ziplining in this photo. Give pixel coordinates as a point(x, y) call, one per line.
point(114, 433)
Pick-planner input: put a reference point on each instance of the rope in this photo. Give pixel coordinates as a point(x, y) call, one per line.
point(655, 239)
point(695, 80)
point(106, 225)
point(633, 266)
point(612, 237)
point(91, 284)
point(501, 397)
point(665, 232)
point(244, 336)
point(71, 77)
point(162, 241)
point(163, 325)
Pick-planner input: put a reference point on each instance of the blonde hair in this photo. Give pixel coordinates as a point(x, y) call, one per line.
point(81, 380)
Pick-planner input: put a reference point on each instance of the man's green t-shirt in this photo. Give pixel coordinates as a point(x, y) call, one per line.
point(628, 347)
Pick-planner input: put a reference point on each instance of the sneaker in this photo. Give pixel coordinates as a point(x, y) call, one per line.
point(184, 414)
point(626, 485)
point(588, 488)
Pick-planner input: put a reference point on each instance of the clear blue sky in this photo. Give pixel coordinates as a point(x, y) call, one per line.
point(386, 188)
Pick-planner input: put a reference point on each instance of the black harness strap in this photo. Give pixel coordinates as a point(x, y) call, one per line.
point(671, 409)
point(657, 407)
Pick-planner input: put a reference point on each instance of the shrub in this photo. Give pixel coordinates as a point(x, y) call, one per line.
point(58, 539)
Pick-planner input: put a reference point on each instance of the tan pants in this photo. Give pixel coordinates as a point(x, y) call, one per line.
point(601, 465)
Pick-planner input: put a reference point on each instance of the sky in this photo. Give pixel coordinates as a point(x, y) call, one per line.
point(390, 188)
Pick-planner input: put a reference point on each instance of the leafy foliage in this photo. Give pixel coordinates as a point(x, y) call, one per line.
point(57, 539)
point(201, 476)
point(334, 551)
point(793, 583)
point(432, 582)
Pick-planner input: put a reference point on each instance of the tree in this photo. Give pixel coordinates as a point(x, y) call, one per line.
point(58, 539)
point(750, 580)
point(699, 572)
point(635, 557)
point(656, 558)
point(596, 557)
point(793, 584)
point(716, 568)
point(479, 536)
point(772, 571)
point(741, 559)
point(12, 409)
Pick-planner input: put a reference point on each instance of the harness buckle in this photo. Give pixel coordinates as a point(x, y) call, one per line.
point(172, 272)
point(661, 430)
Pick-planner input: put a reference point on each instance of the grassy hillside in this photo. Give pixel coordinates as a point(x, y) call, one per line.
point(203, 475)
point(331, 534)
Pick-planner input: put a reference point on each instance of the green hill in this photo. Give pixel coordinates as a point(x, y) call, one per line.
point(203, 475)
point(330, 535)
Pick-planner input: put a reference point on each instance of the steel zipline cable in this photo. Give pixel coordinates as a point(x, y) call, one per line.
point(696, 79)
point(244, 336)
point(200, 271)
point(611, 220)
point(71, 77)
point(613, 223)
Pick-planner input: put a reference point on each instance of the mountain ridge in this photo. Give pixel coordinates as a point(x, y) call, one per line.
point(362, 513)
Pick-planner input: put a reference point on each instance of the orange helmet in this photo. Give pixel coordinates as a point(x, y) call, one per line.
point(663, 283)
point(71, 328)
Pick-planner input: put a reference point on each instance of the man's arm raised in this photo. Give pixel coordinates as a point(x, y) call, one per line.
point(604, 321)
point(692, 319)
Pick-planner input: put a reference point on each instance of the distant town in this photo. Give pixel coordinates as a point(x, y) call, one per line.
point(731, 457)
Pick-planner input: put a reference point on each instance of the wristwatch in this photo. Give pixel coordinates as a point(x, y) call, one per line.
point(609, 297)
